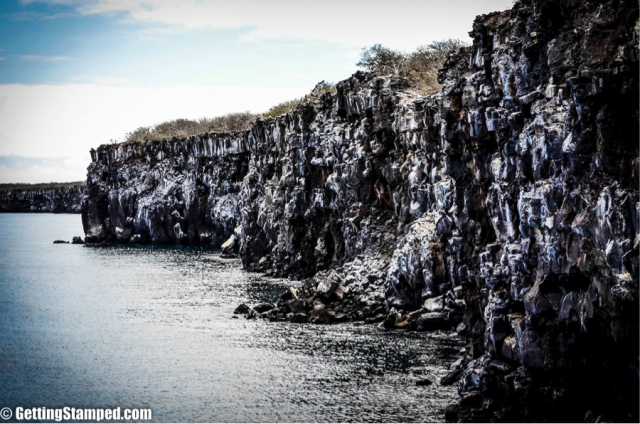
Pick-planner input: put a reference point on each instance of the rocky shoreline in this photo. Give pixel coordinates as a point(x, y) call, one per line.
point(505, 207)
point(42, 198)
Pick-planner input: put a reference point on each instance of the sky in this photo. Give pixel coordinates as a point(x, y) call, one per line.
point(75, 74)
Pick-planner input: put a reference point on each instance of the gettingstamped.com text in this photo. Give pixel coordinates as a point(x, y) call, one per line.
point(68, 413)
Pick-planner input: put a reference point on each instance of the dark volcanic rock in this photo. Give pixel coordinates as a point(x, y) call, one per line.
point(230, 247)
point(264, 307)
point(60, 242)
point(297, 317)
point(505, 207)
point(172, 191)
point(55, 198)
point(242, 309)
point(77, 240)
point(252, 314)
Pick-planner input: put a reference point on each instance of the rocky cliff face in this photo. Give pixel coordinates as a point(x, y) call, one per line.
point(541, 121)
point(177, 191)
point(56, 198)
point(511, 199)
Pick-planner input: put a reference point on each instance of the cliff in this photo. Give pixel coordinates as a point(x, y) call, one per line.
point(55, 197)
point(177, 191)
point(508, 201)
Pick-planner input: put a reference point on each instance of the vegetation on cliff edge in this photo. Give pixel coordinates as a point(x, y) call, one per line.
point(419, 67)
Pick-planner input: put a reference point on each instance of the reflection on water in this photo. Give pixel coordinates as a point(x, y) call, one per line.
point(152, 327)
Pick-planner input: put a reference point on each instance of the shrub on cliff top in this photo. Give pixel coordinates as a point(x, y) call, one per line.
point(181, 128)
point(378, 58)
point(239, 121)
point(230, 122)
point(420, 67)
point(282, 108)
point(321, 88)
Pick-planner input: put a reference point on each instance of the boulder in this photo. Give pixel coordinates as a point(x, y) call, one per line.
point(230, 247)
point(264, 307)
point(252, 314)
point(341, 317)
point(242, 309)
point(338, 294)
point(433, 321)
point(326, 288)
point(434, 304)
point(298, 306)
point(291, 293)
point(326, 316)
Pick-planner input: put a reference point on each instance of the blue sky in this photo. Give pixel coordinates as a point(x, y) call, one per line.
point(75, 74)
point(54, 43)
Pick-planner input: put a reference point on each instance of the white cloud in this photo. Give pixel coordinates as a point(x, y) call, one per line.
point(66, 121)
point(102, 80)
point(40, 58)
point(402, 24)
point(36, 16)
point(24, 16)
point(64, 170)
point(113, 81)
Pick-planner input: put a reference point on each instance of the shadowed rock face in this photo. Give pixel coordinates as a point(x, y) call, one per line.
point(541, 121)
point(62, 198)
point(513, 193)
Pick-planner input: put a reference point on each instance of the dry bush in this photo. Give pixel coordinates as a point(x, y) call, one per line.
point(230, 122)
point(282, 108)
point(378, 58)
point(420, 66)
point(239, 121)
point(322, 88)
point(423, 64)
point(181, 128)
point(141, 134)
point(319, 90)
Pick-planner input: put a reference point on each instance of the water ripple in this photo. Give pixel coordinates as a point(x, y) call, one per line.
point(153, 327)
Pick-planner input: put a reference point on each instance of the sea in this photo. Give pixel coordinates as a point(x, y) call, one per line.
point(152, 327)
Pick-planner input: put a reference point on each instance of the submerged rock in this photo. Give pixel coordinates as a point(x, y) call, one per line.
point(60, 242)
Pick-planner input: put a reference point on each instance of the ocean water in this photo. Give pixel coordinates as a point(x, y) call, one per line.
point(152, 327)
